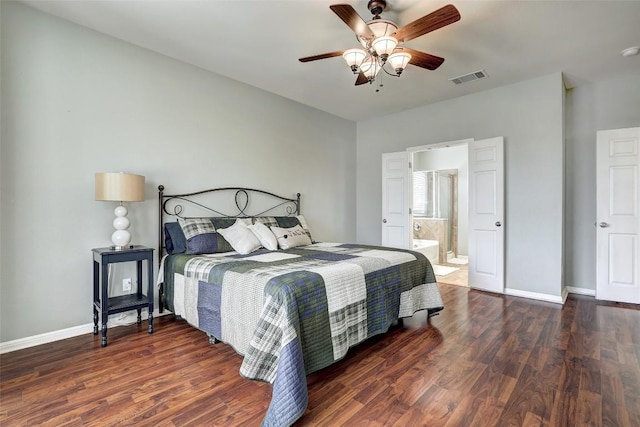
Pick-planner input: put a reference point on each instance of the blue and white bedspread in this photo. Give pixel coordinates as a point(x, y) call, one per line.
point(296, 311)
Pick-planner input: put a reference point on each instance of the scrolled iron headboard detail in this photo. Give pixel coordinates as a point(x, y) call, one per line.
point(174, 205)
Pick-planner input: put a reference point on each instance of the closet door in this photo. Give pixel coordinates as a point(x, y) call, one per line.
point(396, 218)
point(618, 215)
point(486, 215)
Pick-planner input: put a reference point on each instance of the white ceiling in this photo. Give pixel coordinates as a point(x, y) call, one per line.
point(258, 42)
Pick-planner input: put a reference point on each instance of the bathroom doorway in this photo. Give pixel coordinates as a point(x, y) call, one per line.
point(440, 208)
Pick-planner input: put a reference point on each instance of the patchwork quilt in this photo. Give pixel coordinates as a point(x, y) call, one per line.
point(293, 312)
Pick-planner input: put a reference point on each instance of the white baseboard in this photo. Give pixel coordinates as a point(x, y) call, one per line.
point(22, 343)
point(581, 291)
point(537, 296)
point(552, 298)
point(19, 344)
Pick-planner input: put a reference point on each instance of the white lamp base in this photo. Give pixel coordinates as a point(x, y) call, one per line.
point(121, 237)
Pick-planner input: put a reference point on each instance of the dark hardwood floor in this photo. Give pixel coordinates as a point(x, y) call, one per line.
point(487, 360)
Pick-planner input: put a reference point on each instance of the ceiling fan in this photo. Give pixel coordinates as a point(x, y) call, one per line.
point(382, 40)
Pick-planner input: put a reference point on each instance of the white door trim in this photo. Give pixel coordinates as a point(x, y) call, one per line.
point(413, 150)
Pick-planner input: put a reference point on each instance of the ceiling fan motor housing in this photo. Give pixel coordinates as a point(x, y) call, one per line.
point(376, 7)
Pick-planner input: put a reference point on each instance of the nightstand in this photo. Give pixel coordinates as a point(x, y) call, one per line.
point(104, 305)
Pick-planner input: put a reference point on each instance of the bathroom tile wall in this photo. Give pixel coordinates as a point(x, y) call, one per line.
point(433, 229)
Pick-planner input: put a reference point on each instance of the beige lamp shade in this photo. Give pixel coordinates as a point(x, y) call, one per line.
point(119, 187)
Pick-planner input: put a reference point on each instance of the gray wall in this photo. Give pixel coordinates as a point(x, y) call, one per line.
point(76, 102)
point(612, 104)
point(530, 117)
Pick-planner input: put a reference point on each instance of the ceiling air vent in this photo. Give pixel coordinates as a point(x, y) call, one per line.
point(481, 74)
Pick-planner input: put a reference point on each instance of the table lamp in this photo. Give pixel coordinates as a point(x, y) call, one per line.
point(120, 187)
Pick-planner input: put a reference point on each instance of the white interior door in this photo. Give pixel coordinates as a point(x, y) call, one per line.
point(396, 219)
point(486, 214)
point(618, 220)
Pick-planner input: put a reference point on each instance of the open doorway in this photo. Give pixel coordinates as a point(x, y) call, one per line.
point(440, 208)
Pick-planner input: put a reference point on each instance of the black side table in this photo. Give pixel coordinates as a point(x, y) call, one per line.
point(102, 257)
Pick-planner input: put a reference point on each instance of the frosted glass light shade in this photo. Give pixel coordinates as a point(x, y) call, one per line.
point(370, 68)
point(382, 27)
point(399, 61)
point(354, 58)
point(384, 46)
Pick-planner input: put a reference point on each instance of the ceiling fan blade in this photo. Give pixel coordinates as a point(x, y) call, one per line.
point(322, 56)
point(348, 14)
point(423, 60)
point(362, 79)
point(440, 18)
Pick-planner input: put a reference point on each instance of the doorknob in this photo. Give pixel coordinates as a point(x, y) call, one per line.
point(498, 223)
point(384, 221)
point(603, 225)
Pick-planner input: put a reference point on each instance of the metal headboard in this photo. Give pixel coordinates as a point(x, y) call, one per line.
point(173, 205)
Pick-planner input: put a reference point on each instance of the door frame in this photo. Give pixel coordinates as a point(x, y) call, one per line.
point(422, 148)
point(468, 142)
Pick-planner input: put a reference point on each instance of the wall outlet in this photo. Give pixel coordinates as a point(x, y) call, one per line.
point(126, 285)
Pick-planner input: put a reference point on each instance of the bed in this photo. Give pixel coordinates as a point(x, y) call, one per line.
point(288, 304)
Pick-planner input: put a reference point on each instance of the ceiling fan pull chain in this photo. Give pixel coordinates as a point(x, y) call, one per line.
point(380, 84)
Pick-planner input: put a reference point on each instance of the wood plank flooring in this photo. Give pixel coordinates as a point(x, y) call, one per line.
point(487, 360)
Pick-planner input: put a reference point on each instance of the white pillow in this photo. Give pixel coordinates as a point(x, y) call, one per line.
point(266, 236)
point(241, 239)
point(305, 227)
point(291, 237)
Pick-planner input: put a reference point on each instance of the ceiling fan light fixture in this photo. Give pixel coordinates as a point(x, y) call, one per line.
point(379, 28)
point(354, 58)
point(380, 37)
point(384, 46)
point(399, 61)
point(382, 27)
point(370, 68)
